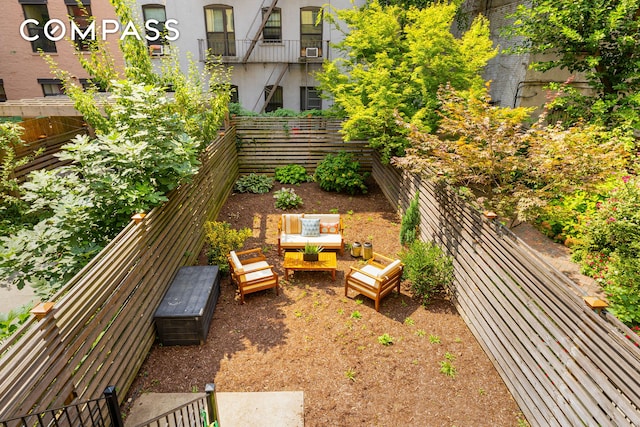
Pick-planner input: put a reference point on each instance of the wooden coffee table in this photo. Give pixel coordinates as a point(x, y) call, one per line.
point(326, 262)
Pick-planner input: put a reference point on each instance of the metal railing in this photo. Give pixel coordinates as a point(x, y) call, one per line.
point(282, 51)
point(202, 411)
point(101, 412)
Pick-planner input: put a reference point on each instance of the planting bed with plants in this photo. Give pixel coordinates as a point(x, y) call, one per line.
point(408, 365)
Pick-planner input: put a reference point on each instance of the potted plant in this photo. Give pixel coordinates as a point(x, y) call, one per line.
point(311, 251)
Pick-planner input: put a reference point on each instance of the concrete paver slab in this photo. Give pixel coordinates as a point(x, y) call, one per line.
point(237, 409)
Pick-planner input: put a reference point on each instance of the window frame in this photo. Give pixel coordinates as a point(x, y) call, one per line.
point(277, 29)
point(51, 83)
point(312, 39)
point(304, 98)
point(276, 101)
point(161, 27)
point(228, 37)
point(3, 92)
point(81, 45)
point(42, 42)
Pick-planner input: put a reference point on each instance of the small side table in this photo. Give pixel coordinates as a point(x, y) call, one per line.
point(327, 261)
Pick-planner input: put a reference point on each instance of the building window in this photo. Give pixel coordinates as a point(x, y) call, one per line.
point(40, 13)
point(272, 32)
point(275, 102)
point(310, 98)
point(3, 94)
point(310, 33)
point(81, 15)
point(234, 94)
point(221, 36)
point(51, 87)
point(157, 13)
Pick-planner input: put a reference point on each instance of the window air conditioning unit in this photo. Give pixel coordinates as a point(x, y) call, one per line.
point(156, 49)
point(311, 52)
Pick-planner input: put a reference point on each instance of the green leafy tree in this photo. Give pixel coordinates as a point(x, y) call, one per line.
point(508, 168)
point(598, 38)
point(83, 205)
point(396, 59)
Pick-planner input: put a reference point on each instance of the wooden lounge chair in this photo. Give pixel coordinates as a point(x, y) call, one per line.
point(251, 272)
point(376, 279)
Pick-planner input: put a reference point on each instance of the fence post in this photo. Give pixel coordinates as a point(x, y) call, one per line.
point(114, 408)
point(212, 404)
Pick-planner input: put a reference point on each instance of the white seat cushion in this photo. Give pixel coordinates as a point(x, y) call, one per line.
point(323, 239)
point(260, 274)
point(255, 265)
point(366, 279)
point(237, 265)
point(388, 268)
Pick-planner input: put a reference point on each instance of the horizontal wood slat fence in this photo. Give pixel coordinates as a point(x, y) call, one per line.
point(47, 134)
point(265, 143)
point(101, 328)
point(564, 363)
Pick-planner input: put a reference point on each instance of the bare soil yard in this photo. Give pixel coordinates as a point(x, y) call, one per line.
point(313, 338)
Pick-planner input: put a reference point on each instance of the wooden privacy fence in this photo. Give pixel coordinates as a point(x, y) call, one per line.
point(46, 134)
point(101, 328)
point(563, 363)
point(265, 143)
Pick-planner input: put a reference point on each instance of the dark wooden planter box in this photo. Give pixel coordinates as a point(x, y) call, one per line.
point(310, 257)
point(185, 312)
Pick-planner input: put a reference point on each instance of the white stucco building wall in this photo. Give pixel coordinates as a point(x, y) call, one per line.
point(282, 60)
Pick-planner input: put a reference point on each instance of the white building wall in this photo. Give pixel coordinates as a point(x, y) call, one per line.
point(260, 70)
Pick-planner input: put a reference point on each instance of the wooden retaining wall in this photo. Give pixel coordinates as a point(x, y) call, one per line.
point(265, 143)
point(563, 363)
point(101, 328)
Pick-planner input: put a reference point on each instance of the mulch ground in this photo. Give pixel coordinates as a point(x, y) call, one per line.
point(312, 338)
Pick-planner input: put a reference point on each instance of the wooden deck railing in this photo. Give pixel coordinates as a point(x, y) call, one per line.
point(101, 327)
point(265, 143)
point(563, 363)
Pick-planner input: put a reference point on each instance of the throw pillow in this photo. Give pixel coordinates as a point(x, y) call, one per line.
point(329, 227)
point(310, 227)
point(291, 223)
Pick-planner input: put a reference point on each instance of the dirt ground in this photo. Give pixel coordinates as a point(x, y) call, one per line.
point(312, 338)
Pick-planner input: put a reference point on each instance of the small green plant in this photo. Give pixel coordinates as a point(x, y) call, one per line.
point(194, 389)
point(334, 210)
point(410, 223)
point(409, 321)
point(356, 315)
point(359, 301)
point(427, 268)
point(446, 365)
point(311, 249)
point(385, 339)
point(286, 198)
point(253, 183)
point(292, 174)
point(341, 173)
point(350, 374)
point(421, 333)
point(434, 339)
point(350, 212)
point(223, 239)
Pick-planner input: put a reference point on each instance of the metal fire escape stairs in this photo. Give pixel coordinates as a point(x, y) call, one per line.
point(256, 36)
point(285, 67)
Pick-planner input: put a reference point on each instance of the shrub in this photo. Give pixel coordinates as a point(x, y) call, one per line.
point(410, 222)
point(427, 268)
point(286, 198)
point(341, 173)
point(610, 250)
point(254, 183)
point(292, 174)
point(223, 239)
point(622, 287)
